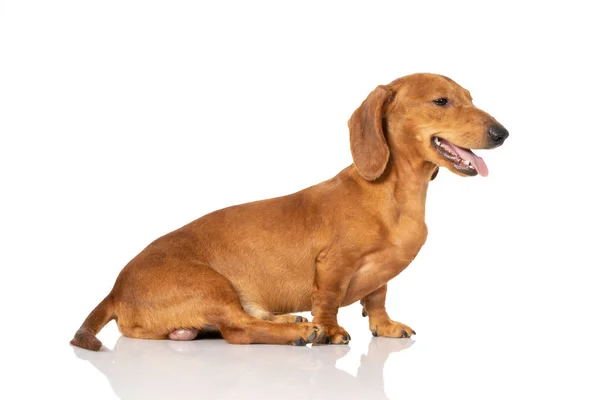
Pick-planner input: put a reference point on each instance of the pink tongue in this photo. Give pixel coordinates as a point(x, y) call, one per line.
point(468, 155)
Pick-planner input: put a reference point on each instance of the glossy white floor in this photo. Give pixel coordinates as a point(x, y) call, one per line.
point(136, 369)
point(455, 358)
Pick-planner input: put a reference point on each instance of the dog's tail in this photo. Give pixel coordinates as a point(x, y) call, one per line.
point(85, 337)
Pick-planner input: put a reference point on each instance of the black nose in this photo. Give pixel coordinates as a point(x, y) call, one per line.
point(497, 134)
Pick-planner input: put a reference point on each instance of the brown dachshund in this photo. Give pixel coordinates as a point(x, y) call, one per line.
point(243, 269)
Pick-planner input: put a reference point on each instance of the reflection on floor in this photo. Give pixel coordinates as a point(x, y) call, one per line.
point(145, 369)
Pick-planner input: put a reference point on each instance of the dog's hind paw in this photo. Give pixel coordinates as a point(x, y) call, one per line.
point(312, 333)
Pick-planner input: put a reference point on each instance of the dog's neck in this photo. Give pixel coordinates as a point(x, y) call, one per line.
point(407, 172)
point(404, 184)
point(409, 180)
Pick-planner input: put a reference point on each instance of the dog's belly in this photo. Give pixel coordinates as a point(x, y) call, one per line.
point(280, 286)
point(280, 298)
point(289, 300)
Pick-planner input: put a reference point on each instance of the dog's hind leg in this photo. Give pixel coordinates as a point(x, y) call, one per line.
point(204, 298)
point(287, 318)
point(260, 313)
point(242, 328)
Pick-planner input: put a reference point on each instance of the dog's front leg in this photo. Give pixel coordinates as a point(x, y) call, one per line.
point(380, 322)
point(329, 289)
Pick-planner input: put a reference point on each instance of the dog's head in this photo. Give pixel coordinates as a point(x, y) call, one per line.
point(424, 117)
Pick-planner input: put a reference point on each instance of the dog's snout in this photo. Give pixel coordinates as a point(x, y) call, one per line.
point(497, 134)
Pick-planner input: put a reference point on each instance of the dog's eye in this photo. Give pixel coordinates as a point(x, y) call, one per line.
point(440, 102)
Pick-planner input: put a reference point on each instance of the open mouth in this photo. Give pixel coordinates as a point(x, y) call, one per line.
point(463, 160)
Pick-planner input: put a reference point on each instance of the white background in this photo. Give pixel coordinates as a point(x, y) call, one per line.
point(123, 120)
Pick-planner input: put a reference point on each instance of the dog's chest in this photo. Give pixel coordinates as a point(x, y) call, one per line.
point(409, 235)
point(381, 264)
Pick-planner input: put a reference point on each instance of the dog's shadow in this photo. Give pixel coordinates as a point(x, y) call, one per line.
point(161, 369)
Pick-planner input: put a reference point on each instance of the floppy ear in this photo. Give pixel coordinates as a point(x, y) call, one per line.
point(370, 151)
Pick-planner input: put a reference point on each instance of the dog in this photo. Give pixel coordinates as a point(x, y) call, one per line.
point(244, 269)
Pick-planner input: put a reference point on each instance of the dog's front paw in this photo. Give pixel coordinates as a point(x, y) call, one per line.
point(391, 329)
point(335, 335)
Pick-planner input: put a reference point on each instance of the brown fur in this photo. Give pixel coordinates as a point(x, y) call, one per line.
point(242, 268)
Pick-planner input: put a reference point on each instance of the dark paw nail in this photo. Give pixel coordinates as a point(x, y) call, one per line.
point(404, 334)
point(374, 333)
point(414, 332)
point(364, 313)
point(300, 342)
point(327, 340)
point(349, 337)
point(312, 336)
point(298, 319)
